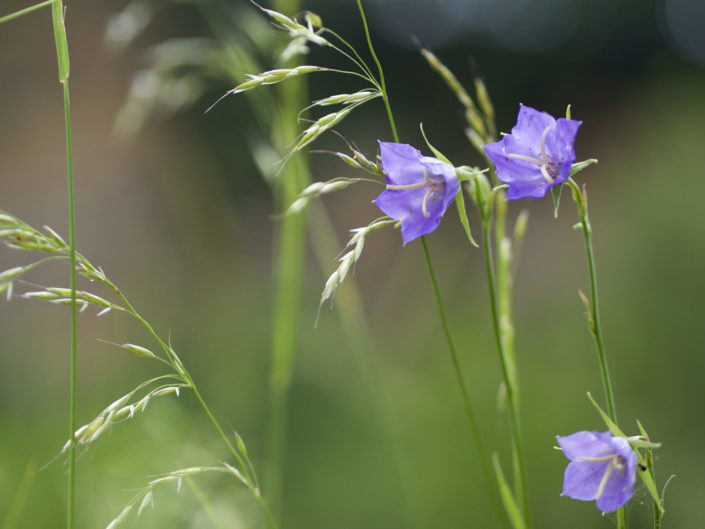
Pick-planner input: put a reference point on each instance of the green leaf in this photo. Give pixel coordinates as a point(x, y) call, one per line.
point(462, 213)
point(510, 505)
point(556, 195)
point(62, 46)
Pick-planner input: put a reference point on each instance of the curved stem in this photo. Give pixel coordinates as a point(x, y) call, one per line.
point(514, 422)
point(383, 86)
point(484, 461)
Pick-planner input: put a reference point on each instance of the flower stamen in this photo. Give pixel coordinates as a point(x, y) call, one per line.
point(425, 201)
point(525, 158)
point(604, 479)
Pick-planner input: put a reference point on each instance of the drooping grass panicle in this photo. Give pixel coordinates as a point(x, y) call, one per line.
point(124, 408)
point(18, 234)
point(145, 497)
point(351, 256)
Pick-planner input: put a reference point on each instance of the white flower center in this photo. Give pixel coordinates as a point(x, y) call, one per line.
point(435, 187)
point(547, 165)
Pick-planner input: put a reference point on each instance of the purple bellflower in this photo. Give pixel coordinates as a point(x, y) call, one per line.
point(419, 189)
point(601, 468)
point(536, 156)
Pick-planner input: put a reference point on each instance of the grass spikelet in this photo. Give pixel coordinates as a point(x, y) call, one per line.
point(316, 190)
point(296, 29)
point(320, 126)
point(275, 76)
point(349, 258)
point(347, 99)
point(120, 518)
point(472, 114)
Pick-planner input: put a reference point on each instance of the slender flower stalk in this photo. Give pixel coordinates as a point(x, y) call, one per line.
point(514, 422)
point(580, 198)
point(595, 328)
point(484, 460)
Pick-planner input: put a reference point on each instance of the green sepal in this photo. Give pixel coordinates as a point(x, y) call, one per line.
point(641, 443)
point(438, 154)
point(462, 213)
point(579, 166)
point(510, 505)
point(648, 480)
point(556, 196)
point(459, 199)
point(608, 422)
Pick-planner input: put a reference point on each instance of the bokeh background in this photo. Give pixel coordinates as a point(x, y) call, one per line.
point(171, 204)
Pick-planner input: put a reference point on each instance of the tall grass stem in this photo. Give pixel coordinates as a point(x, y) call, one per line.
point(514, 421)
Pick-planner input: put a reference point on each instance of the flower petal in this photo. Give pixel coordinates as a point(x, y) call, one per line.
point(559, 142)
point(586, 444)
point(401, 163)
point(620, 485)
point(530, 125)
point(582, 480)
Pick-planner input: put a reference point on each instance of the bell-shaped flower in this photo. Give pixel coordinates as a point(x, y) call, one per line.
point(536, 156)
point(419, 189)
point(602, 468)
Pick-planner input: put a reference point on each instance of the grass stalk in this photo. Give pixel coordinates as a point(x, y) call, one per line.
point(292, 96)
point(514, 422)
point(382, 84)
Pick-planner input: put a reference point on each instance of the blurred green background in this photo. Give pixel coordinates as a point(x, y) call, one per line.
point(180, 218)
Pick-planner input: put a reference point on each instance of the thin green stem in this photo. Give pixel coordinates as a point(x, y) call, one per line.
point(383, 86)
point(580, 198)
point(72, 260)
point(595, 327)
point(514, 422)
point(25, 11)
point(357, 60)
point(484, 460)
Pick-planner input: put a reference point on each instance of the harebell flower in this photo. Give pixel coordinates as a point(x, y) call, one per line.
point(536, 156)
point(419, 189)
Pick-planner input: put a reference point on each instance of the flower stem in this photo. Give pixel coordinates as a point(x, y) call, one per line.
point(580, 198)
point(514, 422)
point(383, 86)
point(484, 460)
point(595, 328)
